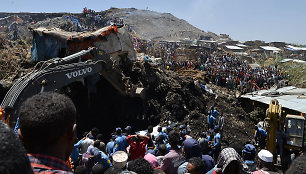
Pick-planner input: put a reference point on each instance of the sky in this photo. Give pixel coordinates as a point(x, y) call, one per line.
point(268, 20)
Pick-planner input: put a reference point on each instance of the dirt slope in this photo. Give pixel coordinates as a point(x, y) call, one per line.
point(158, 26)
point(174, 97)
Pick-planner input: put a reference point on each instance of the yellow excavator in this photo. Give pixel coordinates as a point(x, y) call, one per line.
point(293, 127)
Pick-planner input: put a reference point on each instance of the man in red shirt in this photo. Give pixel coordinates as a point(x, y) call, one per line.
point(137, 145)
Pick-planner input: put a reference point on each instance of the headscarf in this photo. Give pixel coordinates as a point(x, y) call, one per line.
point(228, 155)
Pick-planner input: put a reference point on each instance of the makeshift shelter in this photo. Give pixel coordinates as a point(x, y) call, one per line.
point(51, 43)
point(301, 51)
point(270, 50)
point(242, 45)
point(293, 48)
point(233, 48)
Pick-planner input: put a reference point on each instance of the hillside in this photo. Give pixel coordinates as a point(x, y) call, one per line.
point(152, 25)
point(144, 24)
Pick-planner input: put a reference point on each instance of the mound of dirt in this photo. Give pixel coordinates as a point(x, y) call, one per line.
point(173, 97)
point(58, 22)
point(152, 25)
point(13, 56)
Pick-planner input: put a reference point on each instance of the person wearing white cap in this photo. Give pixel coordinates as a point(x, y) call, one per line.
point(265, 163)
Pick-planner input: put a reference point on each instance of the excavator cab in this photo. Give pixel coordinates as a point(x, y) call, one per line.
point(295, 131)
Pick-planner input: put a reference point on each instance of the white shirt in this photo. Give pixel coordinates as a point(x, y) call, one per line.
point(85, 144)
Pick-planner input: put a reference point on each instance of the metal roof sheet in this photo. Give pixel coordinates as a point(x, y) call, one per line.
point(269, 48)
point(296, 48)
point(233, 47)
point(288, 98)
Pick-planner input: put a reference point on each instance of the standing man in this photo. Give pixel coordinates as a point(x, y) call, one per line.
point(150, 145)
point(203, 141)
point(48, 130)
point(221, 122)
point(175, 157)
point(128, 131)
point(211, 121)
point(137, 147)
point(85, 143)
point(110, 145)
point(120, 142)
point(260, 137)
point(216, 148)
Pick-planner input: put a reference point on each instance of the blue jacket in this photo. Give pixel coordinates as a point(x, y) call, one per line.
point(110, 147)
point(261, 133)
point(164, 134)
point(75, 151)
point(211, 119)
point(120, 143)
point(217, 140)
point(215, 113)
point(104, 161)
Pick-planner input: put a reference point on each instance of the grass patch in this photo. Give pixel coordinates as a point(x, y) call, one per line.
point(295, 73)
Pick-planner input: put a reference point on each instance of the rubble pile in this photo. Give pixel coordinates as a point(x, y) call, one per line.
point(13, 56)
point(58, 22)
point(175, 98)
point(70, 23)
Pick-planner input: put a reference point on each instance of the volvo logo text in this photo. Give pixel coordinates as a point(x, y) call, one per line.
point(79, 72)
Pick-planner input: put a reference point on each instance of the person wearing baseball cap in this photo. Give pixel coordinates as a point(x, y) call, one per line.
point(265, 162)
point(249, 154)
point(120, 142)
point(216, 147)
point(191, 148)
point(110, 145)
point(128, 130)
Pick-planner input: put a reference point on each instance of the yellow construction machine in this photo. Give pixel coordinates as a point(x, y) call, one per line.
point(293, 127)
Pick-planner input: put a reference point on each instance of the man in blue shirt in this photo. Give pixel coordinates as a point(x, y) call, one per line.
point(211, 120)
point(260, 137)
point(214, 113)
point(75, 153)
point(217, 143)
point(102, 158)
point(120, 142)
point(160, 132)
point(110, 146)
point(249, 154)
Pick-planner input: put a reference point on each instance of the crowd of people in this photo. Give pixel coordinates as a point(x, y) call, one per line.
point(229, 71)
point(47, 130)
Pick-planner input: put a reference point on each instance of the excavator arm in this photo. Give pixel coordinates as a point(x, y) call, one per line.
point(59, 72)
point(274, 120)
